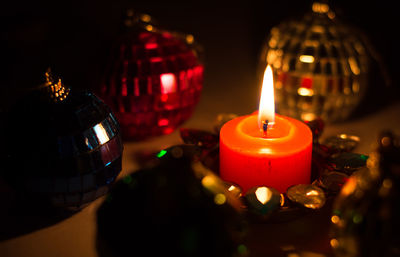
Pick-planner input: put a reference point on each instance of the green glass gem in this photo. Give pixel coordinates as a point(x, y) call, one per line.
point(348, 162)
point(262, 200)
point(161, 153)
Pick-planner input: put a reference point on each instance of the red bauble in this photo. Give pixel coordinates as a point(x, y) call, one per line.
point(153, 82)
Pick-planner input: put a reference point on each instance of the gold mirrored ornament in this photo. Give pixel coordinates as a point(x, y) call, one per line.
point(320, 65)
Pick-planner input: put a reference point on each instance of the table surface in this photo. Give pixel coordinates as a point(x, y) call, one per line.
point(75, 235)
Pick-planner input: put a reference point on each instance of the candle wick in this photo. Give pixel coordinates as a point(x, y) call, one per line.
point(265, 127)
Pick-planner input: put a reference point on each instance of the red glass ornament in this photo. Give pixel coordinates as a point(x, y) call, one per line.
point(153, 82)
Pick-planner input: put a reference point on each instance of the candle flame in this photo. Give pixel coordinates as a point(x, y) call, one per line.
point(266, 111)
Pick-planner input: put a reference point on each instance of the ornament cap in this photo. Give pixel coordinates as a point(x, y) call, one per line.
point(322, 7)
point(136, 20)
point(53, 88)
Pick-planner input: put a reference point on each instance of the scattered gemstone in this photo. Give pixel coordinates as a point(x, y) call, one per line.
point(309, 196)
point(342, 143)
point(210, 159)
point(233, 188)
point(348, 162)
point(333, 181)
point(262, 200)
point(317, 127)
point(321, 150)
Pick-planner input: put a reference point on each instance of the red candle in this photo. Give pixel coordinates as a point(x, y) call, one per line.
point(265, 149)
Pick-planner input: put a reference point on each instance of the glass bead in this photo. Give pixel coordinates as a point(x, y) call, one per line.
point(342, 143)
point(210, 159)
point(333, 181)
point(317, 126)
point(309, 196)
point(233, 188)
point(348, 162)
point(262, 200)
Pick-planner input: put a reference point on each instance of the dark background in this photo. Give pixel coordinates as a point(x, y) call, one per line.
point(74, 38)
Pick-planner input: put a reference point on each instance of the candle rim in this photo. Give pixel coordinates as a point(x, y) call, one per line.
point(270, 138)
point(249, 145)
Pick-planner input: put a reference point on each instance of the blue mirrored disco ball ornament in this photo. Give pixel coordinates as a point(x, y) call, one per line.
point(63, 146)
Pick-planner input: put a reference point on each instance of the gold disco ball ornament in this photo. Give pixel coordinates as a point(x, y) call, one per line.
point(320, 66)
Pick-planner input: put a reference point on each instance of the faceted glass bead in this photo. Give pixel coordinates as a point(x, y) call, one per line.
point(333, 181)
point(210, 159)
point(348, 162)
point(309, 196)
point(342, 143)
point(317, 126)
point(320, 154)
point(262, 201)
point(233, 188)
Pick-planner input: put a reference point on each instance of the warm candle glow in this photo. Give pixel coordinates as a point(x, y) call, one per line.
point(266, 110)
point(253, 153)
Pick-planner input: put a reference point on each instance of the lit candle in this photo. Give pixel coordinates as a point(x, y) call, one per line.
point(264, 148)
